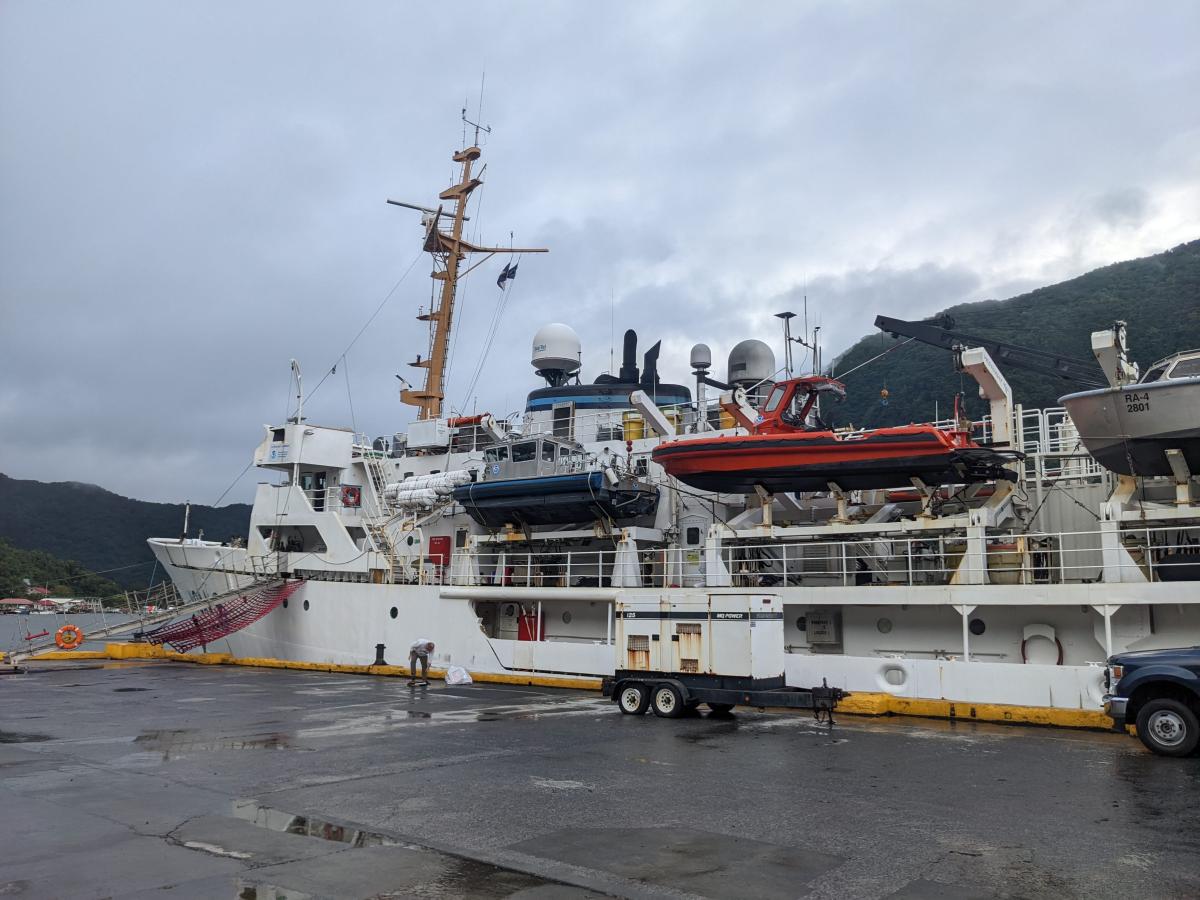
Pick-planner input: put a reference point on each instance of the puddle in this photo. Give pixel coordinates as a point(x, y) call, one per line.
point(414, 714)
point(310, 826)
point(128, 690)
point(175, 742)
point(18, 737)
point(248, 891)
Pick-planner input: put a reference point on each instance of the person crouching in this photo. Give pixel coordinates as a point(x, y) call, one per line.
point(419, 653)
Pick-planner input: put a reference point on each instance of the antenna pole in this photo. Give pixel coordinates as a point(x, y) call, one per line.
point(448, 251)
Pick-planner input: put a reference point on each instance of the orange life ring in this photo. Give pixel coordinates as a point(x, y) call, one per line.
point(68, 637)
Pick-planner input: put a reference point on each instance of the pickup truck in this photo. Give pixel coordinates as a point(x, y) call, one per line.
point(1159, 692)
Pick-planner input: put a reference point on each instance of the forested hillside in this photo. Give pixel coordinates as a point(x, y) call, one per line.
point(63, 578)
point(103, 530)
point(1159, 296)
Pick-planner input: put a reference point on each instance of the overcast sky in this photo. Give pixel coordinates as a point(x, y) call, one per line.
point(192, 194)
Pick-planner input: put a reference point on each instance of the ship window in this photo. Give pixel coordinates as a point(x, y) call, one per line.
point(277, 435)
point(774, 400)
point(524, 452)
point(547, 451)
point(977, 627)
point(460, 538)
point(1153, 375)
point(691, 537)
point(1186, 368)
point(495, 454)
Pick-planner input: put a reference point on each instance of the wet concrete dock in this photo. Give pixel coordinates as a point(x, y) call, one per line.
point(176, 781)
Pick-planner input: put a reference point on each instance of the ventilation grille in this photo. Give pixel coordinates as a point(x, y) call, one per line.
point(687, 628)
point(689, 665)
point(639, 642)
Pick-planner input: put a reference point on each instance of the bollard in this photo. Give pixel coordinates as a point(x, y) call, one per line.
point(379, 660)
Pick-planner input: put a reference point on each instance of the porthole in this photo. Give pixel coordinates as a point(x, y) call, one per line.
point(884, 625)
point(566, 617)
point(285, 604)
point(411, 540)
point(977, 626)
point(394, 612)
point(801, 624)
point(306, 606)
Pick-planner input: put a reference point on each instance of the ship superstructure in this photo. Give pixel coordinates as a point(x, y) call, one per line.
point(513, 542)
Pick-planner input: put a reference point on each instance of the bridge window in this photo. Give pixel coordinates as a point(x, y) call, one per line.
point(524, 452)
point(774, 400)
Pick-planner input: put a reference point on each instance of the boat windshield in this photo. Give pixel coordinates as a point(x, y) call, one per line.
point(775, 398)
point(524, 452)
point(1153, 375)
point(1187, 368)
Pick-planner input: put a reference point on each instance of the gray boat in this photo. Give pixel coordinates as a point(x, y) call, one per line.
point(1130, 427)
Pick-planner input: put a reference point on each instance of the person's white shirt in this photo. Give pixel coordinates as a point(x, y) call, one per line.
point(421, 646)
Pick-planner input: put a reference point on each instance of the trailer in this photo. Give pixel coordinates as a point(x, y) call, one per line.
point(723, 650)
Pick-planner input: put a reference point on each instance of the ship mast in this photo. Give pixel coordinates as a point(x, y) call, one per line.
point(448, 250)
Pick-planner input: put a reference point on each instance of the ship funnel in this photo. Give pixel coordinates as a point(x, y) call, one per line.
point(650, 367)
point(629, 369)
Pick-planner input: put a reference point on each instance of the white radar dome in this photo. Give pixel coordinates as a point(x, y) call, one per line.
point(701, 357)
point(751, 362)
point(556, 348)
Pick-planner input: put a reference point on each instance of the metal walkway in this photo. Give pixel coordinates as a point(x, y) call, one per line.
point(149, 621)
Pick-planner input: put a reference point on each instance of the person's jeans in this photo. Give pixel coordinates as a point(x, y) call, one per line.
point(413, 656)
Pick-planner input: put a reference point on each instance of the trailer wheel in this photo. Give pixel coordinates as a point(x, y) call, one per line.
point(667, 701)
point(633, 699)
point(720, 708)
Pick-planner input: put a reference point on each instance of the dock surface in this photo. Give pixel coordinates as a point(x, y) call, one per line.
point(166, 780)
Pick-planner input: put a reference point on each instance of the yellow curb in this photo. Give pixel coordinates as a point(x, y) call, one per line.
point(857, 704)
point(877, 704)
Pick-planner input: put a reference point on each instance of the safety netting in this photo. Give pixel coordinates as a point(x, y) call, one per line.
point(223, 618)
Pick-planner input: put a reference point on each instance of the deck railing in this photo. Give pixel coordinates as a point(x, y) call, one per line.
point(1158, 554)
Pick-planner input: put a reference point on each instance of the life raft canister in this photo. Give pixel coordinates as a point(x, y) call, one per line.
point(68, 637)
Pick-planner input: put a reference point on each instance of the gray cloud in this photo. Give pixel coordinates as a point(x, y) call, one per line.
point(192, 195)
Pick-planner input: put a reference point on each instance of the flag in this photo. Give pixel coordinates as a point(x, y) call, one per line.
point(509, 271)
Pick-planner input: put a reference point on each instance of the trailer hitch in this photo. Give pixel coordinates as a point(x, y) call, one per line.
point(825, 701)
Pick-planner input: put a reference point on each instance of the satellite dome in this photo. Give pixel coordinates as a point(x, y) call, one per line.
point(751, 362)
point(701, 358)
point(556, 352)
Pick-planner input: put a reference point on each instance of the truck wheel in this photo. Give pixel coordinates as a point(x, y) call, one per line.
point(633, 699)
point(1168, 727)
point(720, 708)
point(667, 701)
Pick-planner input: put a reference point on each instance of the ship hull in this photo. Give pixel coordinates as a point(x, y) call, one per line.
point(812, 462)
point(341, 623)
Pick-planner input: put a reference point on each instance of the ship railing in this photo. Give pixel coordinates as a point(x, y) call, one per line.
point(1152, 554)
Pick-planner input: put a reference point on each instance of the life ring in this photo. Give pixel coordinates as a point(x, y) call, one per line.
point(68, 637)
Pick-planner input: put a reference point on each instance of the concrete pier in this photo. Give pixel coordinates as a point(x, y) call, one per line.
point(158, 779)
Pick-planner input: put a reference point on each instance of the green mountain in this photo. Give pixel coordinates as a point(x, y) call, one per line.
point(104, 531)
point(1159, 296)
point(63, 578)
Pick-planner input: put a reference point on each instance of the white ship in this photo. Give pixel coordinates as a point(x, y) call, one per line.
point(510, 543)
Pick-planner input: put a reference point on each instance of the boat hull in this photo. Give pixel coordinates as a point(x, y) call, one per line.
point(554, 500)
point(811, 462)
point(1129, 429)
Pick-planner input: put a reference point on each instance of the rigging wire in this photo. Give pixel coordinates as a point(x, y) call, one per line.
point(349, 397)
point(366, 325)
point(873, 358)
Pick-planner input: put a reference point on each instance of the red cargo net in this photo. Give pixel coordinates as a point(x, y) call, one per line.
point(223, 618)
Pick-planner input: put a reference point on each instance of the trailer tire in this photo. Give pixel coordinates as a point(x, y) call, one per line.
point(633, 699)
point(666, 701)
point(720, 708)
